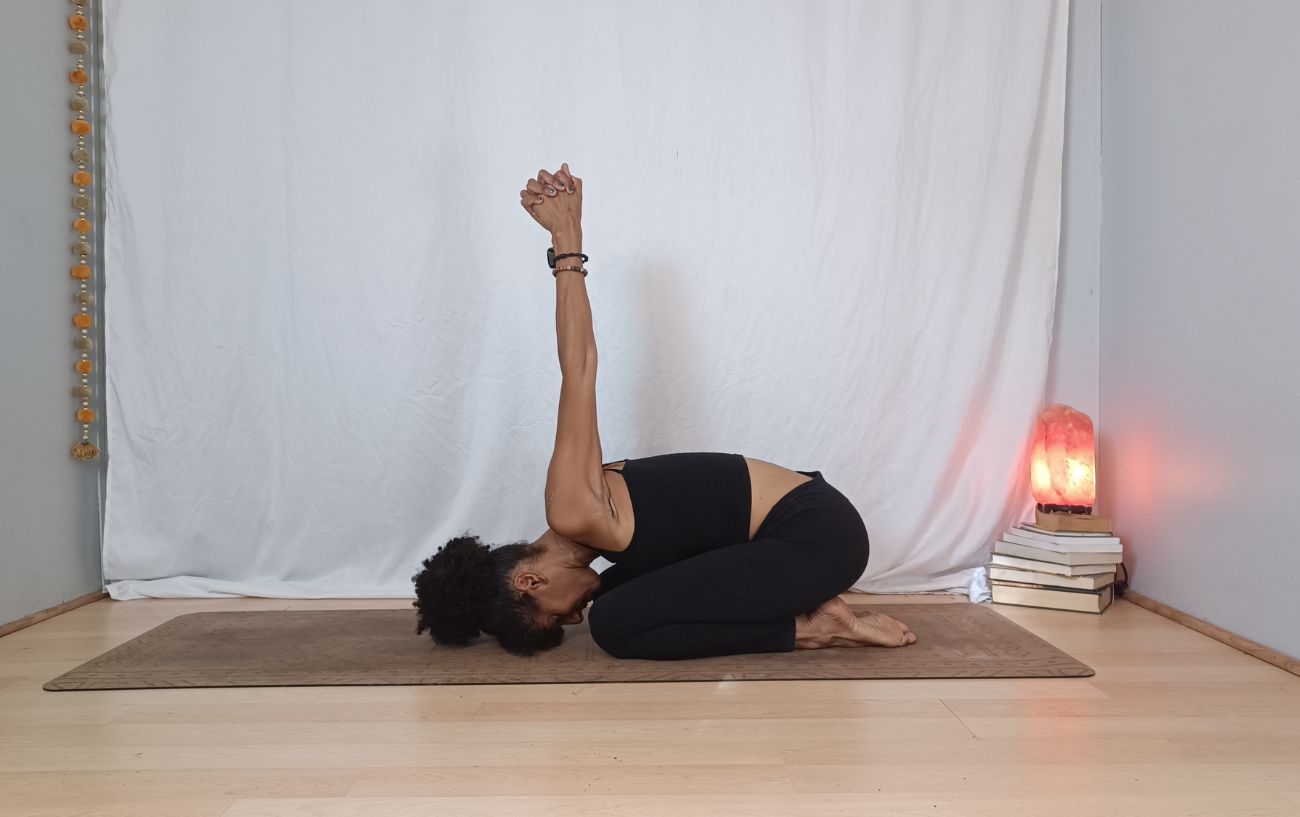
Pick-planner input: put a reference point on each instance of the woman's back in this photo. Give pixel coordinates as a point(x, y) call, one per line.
point(683, 504)
point(692, 502)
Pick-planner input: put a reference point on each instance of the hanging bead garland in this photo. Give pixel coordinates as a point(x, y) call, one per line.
point(83, 320)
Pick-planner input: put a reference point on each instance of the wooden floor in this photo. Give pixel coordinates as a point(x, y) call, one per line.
point(1173, 723)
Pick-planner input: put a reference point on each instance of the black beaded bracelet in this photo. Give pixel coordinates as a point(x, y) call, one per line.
point(551, 257)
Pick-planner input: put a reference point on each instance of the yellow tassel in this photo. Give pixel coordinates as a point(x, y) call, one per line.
point(85, 451)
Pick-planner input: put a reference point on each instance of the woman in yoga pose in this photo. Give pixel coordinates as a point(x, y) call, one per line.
point(714, 553)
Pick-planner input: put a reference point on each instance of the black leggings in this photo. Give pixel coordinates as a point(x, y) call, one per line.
point(740, 598)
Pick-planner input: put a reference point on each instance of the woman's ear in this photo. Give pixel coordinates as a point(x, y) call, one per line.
point(528, 581)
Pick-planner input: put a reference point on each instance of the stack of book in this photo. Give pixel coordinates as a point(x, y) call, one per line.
point(1065, 570)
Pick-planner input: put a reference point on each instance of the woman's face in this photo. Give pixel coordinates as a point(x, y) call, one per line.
point(560, 586)
point(565, 604)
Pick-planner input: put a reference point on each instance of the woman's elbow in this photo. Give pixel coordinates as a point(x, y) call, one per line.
point(580, 364)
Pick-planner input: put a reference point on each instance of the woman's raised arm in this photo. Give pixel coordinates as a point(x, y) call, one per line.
point(576, 493)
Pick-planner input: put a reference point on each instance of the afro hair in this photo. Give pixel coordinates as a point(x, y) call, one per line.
point(465, 589)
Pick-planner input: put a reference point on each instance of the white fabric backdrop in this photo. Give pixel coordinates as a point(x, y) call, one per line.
point(821, 234)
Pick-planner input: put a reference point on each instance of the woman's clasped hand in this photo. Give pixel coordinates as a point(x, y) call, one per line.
point(554, 200)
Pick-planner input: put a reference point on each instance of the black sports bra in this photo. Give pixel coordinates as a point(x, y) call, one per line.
point(683, 504)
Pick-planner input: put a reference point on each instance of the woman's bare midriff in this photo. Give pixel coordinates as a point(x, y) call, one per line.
point(768, 482)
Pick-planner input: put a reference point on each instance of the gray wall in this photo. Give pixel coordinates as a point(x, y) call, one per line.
point(1200, 306)
point(49, 540)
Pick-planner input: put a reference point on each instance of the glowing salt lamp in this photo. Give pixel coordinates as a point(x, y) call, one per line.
point(1062, 471)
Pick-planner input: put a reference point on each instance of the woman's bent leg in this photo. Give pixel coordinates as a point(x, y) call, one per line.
point(742, 598)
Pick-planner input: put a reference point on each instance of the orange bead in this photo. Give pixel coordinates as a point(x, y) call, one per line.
point(79, 22)
point(85, 415)
point(81, 178)
point(84, 366)
point(81, 272)
point(80, 127)
point(81, 320)
point(78, 77)
point(81, 225)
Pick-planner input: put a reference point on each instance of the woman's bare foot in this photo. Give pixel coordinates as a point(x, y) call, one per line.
point(834, 625)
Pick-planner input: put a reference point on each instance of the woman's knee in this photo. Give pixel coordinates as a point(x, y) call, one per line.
point(609, 629)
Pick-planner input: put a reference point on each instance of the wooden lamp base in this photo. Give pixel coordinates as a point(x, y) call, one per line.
point(1072, 522)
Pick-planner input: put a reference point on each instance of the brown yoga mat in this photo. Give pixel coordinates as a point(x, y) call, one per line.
point(345, 647)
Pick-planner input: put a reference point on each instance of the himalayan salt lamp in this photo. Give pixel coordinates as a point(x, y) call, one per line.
point(1062, 470)
point(1062, 464)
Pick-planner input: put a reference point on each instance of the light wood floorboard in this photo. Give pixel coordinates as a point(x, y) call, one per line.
point(1174, 723)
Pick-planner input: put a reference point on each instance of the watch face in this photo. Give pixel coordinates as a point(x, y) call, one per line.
point(550, 257)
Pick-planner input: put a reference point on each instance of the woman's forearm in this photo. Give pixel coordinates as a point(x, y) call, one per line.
point(573, 326)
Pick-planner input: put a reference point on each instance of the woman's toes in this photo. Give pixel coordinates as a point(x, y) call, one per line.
point(879, 630)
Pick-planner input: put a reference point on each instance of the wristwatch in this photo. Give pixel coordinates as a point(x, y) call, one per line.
point(551, 257)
